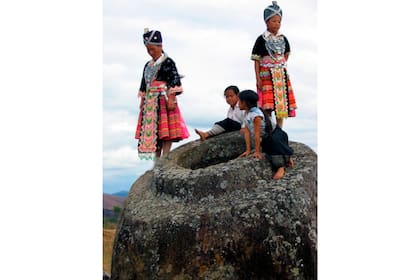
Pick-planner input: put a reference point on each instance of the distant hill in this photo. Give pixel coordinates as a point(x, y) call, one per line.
point(121, 193)
point(112, 206)
point(109, 201)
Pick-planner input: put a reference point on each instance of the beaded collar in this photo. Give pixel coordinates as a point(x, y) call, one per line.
point(275, 44)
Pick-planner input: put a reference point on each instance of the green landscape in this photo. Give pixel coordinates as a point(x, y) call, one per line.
point(112, 208)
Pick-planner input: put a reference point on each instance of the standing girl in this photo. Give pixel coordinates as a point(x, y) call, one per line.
point(257, 124)
point(160, 121)
point(270, 53)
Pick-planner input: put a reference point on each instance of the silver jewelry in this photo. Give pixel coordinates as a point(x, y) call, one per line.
point(152, 68)
point(275, 45)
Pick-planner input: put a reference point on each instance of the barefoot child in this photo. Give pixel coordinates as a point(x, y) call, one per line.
point(234, 116)
point(258, 124)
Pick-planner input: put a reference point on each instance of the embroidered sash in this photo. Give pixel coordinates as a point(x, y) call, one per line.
point(150, 120)
point(284, 99)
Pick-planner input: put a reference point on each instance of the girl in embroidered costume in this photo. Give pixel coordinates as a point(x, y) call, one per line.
point(273, 142)
point(234, 116)
point(270, 53)
point(160, 121)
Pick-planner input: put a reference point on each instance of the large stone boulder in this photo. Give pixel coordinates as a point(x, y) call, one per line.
point(204, 213)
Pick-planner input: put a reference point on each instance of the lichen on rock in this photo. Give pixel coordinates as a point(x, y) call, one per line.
point(204, 213)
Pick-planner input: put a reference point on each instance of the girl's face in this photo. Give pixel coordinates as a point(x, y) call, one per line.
point(242, 105)
point(154, 51)
point(231, 97)
point(273, 24)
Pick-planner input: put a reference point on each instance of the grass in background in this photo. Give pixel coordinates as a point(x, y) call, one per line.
point(108, 242)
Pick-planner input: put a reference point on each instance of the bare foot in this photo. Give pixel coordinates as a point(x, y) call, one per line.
point(279, 174)
point(203, 135)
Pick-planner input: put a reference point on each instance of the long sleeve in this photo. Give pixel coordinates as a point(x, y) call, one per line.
point(287, 47)
point(169, 73)
point(143, 82)
point(259, 50)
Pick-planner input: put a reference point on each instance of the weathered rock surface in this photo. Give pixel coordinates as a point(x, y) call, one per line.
point(203, 213)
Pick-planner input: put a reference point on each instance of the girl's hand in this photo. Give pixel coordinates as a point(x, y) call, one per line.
point(171, 102)
point(258, 155)
point(259, 83)
point(245, 154)
point(141, 96)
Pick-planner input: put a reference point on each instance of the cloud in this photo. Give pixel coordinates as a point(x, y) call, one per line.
point(211, 43)
point(121, 157)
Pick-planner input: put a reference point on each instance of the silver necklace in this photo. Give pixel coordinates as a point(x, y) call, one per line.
point(275, 45)
point(152, 68)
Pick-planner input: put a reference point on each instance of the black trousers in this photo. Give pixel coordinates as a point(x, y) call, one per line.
point(229, 125)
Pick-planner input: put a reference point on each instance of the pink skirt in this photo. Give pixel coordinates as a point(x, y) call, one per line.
point(156, 122)
point(171, 123)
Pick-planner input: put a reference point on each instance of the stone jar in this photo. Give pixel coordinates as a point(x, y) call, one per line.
point(204, 213)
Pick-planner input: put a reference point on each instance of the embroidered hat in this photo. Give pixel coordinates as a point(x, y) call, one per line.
point(152, 37)
point(272, 10)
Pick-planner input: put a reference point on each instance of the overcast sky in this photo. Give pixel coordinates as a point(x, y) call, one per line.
point(211, 43)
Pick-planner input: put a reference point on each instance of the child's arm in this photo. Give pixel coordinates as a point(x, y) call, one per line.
point(257, 73)
point(171, 101)
point(257, 128)
point(287, 50)
point(142, 89)
point(257, 52)
point(247, 142)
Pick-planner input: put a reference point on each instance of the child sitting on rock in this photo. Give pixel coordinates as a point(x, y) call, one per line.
point(234, 116)
point(258, 124)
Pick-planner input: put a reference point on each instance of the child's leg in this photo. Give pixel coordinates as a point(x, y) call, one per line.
point(279, 162)
point(203, 135)
point(166, 147)
point(229, 125)
point(158, 148)
point(215, 130)
point(279, 122)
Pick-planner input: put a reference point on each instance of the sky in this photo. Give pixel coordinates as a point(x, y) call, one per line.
point(211, 43)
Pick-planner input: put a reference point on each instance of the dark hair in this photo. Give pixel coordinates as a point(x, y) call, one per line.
point(250, 97)
point(235, 89)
